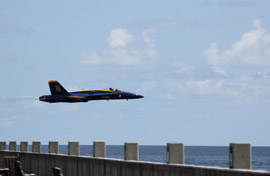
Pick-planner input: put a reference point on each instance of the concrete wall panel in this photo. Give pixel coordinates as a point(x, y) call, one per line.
point(3, 145)
point(12, 146)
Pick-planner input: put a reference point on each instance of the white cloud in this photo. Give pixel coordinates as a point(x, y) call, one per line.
point(248, 89)
point(213, 59)
point(123, 49)
point(180, 78)
point(252, 49)
point(119, 38)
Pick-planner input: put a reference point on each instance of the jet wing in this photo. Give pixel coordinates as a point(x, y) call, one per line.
point(97, 96)
point(102, 94)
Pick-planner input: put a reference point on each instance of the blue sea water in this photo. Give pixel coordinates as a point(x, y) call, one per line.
point(194, 155)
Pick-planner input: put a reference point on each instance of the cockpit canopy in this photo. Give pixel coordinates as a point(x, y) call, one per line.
point(114, 90)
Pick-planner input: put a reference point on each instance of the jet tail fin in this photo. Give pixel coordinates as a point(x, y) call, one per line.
point(56, 88)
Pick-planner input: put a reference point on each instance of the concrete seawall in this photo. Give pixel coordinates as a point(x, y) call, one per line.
point(75, 165)
point(41, 164)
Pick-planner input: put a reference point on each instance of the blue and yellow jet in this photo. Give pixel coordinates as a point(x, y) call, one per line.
point(59, 94)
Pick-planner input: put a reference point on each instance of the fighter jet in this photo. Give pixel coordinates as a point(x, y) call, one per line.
point(59, 94)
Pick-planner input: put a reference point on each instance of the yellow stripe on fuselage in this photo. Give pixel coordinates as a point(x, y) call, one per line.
point(93, 90)
point(76, 97)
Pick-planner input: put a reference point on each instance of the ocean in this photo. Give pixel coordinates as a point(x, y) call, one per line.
point(194, 155)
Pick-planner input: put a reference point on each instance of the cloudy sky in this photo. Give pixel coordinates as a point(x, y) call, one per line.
point(203, 67)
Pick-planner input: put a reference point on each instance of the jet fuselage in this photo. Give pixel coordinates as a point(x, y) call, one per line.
point(59, 94)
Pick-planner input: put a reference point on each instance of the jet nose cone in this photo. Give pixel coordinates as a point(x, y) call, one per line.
point(139, 96)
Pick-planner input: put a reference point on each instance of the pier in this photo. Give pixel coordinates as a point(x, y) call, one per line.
point(75, 165)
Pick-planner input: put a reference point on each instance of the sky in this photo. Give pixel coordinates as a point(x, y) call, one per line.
point(202, 66)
